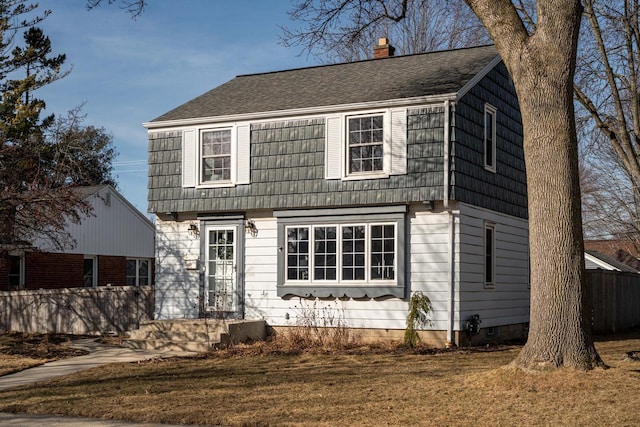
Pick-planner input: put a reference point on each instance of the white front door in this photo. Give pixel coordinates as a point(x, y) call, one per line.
point(221, 278)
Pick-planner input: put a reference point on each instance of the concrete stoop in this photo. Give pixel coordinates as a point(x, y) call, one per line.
point(194, 335)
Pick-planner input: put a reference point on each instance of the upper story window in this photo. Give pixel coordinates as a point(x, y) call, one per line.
point(490, 137)
point(366, 143)
point(366, 146)
point(215, 152)
point(216, 157)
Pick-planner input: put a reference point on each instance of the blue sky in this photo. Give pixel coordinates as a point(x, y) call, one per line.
point(128, 72)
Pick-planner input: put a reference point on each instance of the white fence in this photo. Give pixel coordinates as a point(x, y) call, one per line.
point(111, 309)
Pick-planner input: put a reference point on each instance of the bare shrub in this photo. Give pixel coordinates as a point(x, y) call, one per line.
point(319, 327)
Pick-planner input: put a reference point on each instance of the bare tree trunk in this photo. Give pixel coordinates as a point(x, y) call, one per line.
point(542, 66)
point(560, 333)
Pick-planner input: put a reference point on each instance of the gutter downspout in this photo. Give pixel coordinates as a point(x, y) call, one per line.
point(451, 235)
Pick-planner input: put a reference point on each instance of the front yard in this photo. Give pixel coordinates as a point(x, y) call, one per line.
point(253, 385)
point(22, 351)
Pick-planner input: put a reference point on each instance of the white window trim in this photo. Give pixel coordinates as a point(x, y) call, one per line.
point(233, 158)
point(240, 155)
point(339, 279)
point(493, 112)
point(394, 156)
point(489, 284)
point(386, 146)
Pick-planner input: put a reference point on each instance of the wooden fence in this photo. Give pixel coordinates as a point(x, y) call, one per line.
point(110, 309)
point(615, 300)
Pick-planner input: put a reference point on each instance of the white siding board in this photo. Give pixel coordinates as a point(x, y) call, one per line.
point(508, 301)
point(116, 228)
point(176, 289)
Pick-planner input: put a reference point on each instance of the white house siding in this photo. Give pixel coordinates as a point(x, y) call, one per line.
point(428, 271)
point(177, 288)
point(430, 260)
point(115, 228)
point(428, 266)
point(508, 302)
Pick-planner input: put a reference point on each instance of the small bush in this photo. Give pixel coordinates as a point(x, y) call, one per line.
point(419, 309)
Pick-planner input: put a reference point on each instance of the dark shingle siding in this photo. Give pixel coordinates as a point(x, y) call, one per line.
point(365, 81)
point(503, 191)
point(287, 171)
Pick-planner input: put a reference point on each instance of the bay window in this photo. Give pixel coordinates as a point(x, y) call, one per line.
point(337, 255)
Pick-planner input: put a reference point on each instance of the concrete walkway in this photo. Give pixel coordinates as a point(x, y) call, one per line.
point(99, 354)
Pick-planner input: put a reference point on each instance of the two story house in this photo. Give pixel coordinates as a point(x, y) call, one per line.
point(341, 190)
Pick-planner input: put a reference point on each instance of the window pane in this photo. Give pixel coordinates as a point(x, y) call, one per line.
point(87, 273)
point(325, 253)
point(353, 254)
point(298, 253)
point(131, 272)
point(383, 252)
point(365, 143)
point(489, 139)
point(14, 272)
point(143, 273)
point(216, 155)
point(488, 263)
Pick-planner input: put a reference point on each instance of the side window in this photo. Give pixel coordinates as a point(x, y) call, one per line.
point(131, 272)
point(16, 272)
point(489, 255)
point(138, 272)
point(143, 272)
point(90, 272)
point(298, 253)
point(365, 140)
point(490, 137)
point(215, 152)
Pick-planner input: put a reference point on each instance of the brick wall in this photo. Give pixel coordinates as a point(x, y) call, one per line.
point(57, 271)
point(4, 271)
point(111, 270)
point(53, 271)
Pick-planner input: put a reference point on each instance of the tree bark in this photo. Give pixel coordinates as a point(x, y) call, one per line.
point(542, 67)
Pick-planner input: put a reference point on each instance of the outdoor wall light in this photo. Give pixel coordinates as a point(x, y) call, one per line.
point(250, 227)
point(193, 230)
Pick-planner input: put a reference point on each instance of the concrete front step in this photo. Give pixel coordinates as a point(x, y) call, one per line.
point(142, 334)
point(194, 335)
point(168, 345)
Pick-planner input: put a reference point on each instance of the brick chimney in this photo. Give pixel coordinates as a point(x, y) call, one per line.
point(383, 49)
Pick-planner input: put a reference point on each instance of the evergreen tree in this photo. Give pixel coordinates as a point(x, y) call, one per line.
point(42, 160)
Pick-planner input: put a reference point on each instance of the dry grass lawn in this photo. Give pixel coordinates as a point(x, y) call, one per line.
point(23, 351)
point(254, 387)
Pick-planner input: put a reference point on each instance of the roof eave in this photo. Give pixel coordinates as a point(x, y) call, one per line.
point(266, 115)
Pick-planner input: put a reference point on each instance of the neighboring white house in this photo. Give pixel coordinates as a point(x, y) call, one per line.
point(594, 260)
point(113, 246)
point(338, 191)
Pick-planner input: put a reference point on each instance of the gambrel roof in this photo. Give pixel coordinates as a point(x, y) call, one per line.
point(410, 76)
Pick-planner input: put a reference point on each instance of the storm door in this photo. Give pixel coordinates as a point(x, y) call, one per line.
point(221, 278)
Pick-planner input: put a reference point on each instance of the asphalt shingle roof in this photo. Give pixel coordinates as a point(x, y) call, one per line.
point(354, 82)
